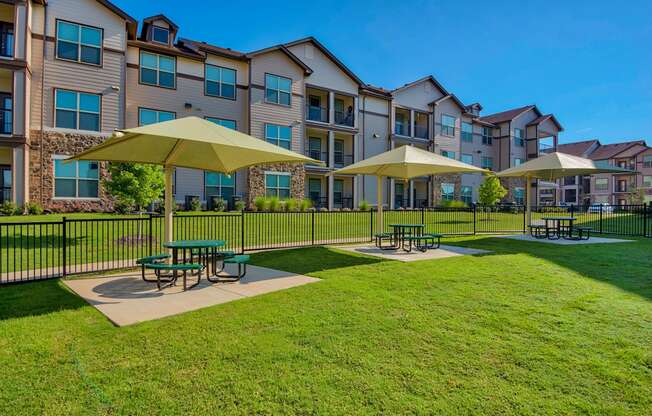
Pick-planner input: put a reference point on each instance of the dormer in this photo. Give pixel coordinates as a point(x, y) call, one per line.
point(159, 30)
point(474, 109)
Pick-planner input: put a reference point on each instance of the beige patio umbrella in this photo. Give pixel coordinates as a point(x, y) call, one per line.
point(554, 166)
point(189, 142)
point(405, 162)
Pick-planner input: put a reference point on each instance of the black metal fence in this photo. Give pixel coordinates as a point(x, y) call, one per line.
point(40, 250)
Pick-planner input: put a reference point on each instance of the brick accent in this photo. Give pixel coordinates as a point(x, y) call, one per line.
point(256, 179)
point(41, 170)
point(437, 180)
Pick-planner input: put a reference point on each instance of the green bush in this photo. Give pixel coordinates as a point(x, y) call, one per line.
point(453, 204)
point(260, 203)
point(9, 208)
point(305, 204)
point(363, 205)
point(239, 206)
point(219, 205)
point(291, 205)
point(274, 204)
point(122, 207)
point(34, 208)
point(195, 204)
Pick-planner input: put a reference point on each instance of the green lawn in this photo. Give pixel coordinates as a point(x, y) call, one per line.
point(91, 239)
point(531, 328)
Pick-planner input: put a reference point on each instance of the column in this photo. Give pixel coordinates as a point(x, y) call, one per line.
point(356, 193)
point(20, 30)
point(331, 107)
point(411, 123)
point(331, 186)
point(411, 187)
point(392, 190)
point(356, 113)
point(19, 120)
point(331, 149)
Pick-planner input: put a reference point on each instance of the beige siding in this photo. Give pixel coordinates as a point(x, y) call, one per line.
point(448, 143)
point(418, 96)
point(276, 63)
point(78, 77)
point(325, 72)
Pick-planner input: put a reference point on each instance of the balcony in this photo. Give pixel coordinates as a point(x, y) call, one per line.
point(317, 155)
point(342, 160)
point(421, 131)
point(317, 105)
point(623, 187)
point(344, 110)
point(341, 201)
point(315, 113)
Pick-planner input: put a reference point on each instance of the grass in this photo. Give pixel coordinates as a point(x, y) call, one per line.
point(91, 239)
point(531, 328)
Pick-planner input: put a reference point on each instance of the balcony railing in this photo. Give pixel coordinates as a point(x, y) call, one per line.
point(317, 113)
point(343, 201)
point(317, 155)
point(344, 118)
point(318, 201)
point(342, 160)
point(624, 187)
point(421, 132)
point(6, 122)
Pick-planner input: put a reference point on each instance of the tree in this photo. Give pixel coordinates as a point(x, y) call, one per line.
point(636, 197)
point(135, 185)
point(491, 191)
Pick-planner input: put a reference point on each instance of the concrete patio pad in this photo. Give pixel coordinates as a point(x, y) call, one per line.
point(400, 255)
point(126, 299)
point(561, 241)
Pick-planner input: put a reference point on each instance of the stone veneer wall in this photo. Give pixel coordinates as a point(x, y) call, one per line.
point(256, 180)
point(436, 187)
point(510, 184)
point(41, 171)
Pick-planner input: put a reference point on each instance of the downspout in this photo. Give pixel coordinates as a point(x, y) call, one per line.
point(42, 139)
point(362, 150)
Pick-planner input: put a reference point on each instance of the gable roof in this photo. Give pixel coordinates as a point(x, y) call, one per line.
point(286, 51)
point(543, 118)
point(212, 49)
point(508, 115)
point(115, 9)
point(329, 54)
point(376, 91)
point(453, 97)
point(580, 149)
point(608, 151)
point(151, 19)
point(419, 81)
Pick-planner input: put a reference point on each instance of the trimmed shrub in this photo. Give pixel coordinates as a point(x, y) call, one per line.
point(239, 206)
point(219, 205)
point(274, 204)
point(34, 208)
point(453, 204)
point(260, 203)
point(195, 204)
point(363, 205)
point(305, 204)
point(9, 208)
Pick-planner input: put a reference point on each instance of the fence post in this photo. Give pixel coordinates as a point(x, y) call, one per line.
point(151, 235)
point(423, 216)
point(600, 218)
point(371, 224)
point(525, 224)
point(312, 221)
point(64, 238)
point(242, 231)
point(645, 214)
point(475, 217)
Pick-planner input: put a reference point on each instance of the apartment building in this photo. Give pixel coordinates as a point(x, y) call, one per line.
point(76, 70)
point(615, 189)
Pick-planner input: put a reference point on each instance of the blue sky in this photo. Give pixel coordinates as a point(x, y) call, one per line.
point(588, 62)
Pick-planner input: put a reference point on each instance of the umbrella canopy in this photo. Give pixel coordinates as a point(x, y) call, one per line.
point(405, 162)
point(190, 142)
point(555, 166)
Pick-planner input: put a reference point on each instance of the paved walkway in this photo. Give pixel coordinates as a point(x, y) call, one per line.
point(126, 299)
point(400, 255)
point(561, 241)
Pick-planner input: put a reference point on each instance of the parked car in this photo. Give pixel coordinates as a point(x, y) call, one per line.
point(604, 207)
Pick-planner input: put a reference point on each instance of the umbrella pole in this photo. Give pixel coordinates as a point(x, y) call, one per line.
point(169, 200)
point(379, 202)
point(528, 208)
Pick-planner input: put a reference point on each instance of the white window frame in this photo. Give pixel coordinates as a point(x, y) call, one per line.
point(520, 161)
point(464, 133)
point(452, 195)
point(161, 28)
point(219, 122)
point(219, 186)
point(519, 140)
point(79, 43)
point(157, 69)
point(448, 154)
point(482, 164)
point(278, 90)
point(274, 173)
point(487, 136)
point(606, 187)
point(445, 127)
point(649, 184)
point(76, 179)
point(470, 155)
point(77, 110)
point(278, 136)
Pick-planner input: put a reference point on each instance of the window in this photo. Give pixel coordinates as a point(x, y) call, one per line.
point(79, 43)
point(570, 180)
point(519, 140)
point(229, 124)
point(220, 82)
point(519, 196)
point(601, 184)
point(278, 135)
point(647, 181)
point(487, 136)
point(448, 154)
point(147, 116)
point(467, 132)
point(647, 161)
point(158, 70)
point(278, 89)
point(6, 114)
point(467, 158)
point(161, 35)
point(6, 39)
point(518, 161)
point(218, 184)
point(570, 196)
point(447, 191)
point(76, 179)
point(447, 125)
point(487, 162)
point(467, 195)
point(401, 122)
point(77, 110)
point(277, 184)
